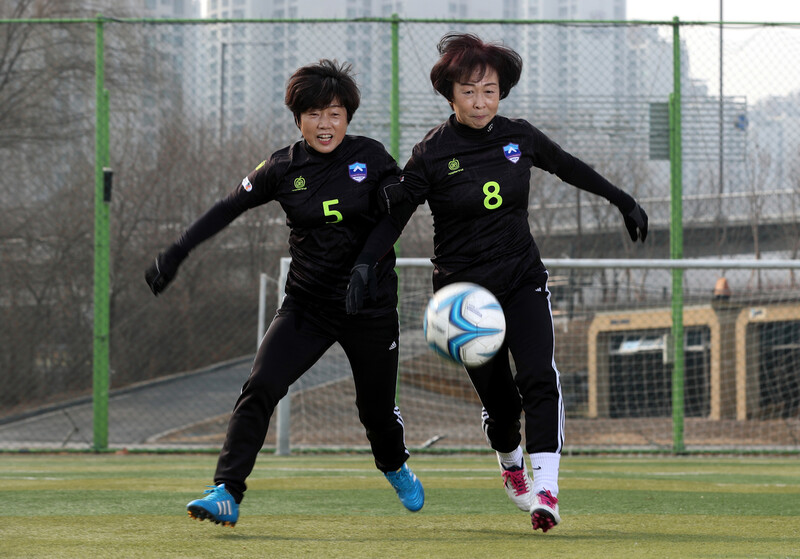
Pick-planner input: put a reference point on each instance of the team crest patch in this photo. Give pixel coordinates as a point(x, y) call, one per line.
point(358, 171)
point(512, 153)
point(246, 184)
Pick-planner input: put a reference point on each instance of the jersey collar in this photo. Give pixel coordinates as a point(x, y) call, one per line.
point(468, 132)
point(329, 155)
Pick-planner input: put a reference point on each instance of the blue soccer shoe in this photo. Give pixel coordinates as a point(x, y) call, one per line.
point(409, 488)
point(217, 506)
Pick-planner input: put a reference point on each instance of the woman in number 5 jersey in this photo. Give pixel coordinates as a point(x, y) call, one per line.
point(474, 171)
point(326, 183)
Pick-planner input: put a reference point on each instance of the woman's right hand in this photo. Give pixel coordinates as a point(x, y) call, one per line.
point(162, 271)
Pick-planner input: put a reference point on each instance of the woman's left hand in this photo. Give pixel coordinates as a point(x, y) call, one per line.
point(636, 222)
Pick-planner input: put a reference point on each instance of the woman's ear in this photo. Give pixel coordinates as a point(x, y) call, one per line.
point(297, 120)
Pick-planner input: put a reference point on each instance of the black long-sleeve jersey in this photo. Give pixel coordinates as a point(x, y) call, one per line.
point(329, 201)
point(477, 185)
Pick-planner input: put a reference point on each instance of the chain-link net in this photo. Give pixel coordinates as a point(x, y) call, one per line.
point(194, 107)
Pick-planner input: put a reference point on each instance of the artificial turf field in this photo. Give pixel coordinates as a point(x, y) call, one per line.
point(325, 506)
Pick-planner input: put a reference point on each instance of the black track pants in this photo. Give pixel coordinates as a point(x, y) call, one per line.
point(536, 388)
point(295, 340)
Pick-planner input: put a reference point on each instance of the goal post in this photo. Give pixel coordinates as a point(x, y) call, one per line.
point(615, 351)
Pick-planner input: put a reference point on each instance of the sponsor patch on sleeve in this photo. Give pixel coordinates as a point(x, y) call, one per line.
point(246, 184)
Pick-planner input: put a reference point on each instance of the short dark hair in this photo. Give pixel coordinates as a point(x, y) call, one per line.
point(316, 86)
point(461, 55)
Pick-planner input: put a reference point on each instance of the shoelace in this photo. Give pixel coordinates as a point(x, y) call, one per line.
point(402, 481)
point(211, 491)
point(517, 480)
point(547, 498)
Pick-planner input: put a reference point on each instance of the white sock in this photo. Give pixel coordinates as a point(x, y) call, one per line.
point(545, 471)
point(509, 459)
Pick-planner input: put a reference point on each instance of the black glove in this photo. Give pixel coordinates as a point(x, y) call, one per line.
point(163, 270)
point(362, 282)
point(636, 222)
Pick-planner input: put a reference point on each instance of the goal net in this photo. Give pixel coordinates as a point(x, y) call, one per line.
point(733, 384)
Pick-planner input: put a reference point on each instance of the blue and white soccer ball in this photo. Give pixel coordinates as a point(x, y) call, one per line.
point(464, 323)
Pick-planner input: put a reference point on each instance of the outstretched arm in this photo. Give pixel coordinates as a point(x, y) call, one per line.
point(569, 168)
point(163, 270)
point(584, 177)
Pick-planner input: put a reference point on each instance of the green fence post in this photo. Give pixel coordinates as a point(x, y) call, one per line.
point(394, 138)
point(102, 195)
point(676, 244)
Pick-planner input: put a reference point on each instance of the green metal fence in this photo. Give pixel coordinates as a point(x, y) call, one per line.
point(182, 109)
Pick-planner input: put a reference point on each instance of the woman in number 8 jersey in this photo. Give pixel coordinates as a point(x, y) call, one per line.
point(474, 171)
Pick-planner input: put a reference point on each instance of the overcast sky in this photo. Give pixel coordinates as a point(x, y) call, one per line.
point(708, 10)
point(752, 67)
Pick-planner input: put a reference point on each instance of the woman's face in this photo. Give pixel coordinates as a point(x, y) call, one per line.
point(475, 103)
point(324, 129)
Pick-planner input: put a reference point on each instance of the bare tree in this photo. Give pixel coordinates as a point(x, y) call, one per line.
point(45, 249)
point(758, 171)
point(47, 193)
point(42, 68)
point(793, 229)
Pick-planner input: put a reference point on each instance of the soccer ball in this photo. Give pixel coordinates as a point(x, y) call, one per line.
point(464, 323)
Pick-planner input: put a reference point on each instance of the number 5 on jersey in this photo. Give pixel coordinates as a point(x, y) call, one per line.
point(326, 208)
